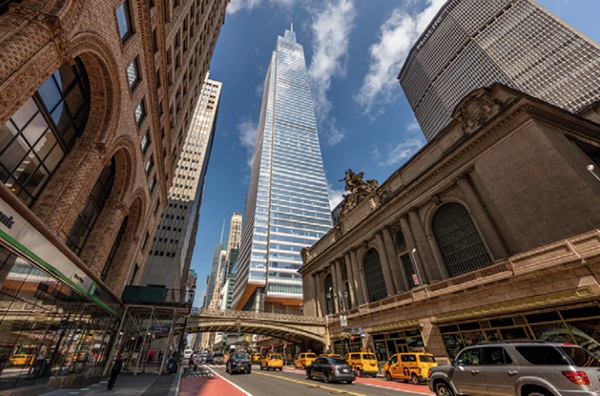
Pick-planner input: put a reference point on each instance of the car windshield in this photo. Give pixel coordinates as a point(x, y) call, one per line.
point(311, 355)
point(218, 354)
point(426, 358)
point(337, 360)
point(240, 356)
point(580, 357)
point(368, 356)
point(275, 357)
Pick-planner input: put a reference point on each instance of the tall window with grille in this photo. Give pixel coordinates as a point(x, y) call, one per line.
point(458, 240)
point(374, 276)
point(91, 209)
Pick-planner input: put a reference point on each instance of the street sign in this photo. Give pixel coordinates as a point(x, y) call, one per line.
point(343, 320)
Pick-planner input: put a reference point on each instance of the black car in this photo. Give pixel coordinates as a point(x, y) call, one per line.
point(330, 369)
point(238, 362)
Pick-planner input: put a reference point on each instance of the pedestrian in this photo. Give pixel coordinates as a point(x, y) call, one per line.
point(115, 371)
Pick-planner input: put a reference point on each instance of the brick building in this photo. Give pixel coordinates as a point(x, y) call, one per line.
point(95, 101)
point(490, 232)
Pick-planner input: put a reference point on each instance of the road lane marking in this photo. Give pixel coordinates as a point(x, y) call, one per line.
point(217, 374)
point(313, 385)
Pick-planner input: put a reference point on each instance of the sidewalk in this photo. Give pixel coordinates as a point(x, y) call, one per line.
point(127, 384)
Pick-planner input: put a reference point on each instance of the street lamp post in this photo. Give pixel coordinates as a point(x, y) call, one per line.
point(419, 279)
point(591, 168)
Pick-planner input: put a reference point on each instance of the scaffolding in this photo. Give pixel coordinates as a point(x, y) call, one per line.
point(153, 319)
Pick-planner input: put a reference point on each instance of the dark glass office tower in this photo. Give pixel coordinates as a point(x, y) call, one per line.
point(473, 43)
point(287, 207)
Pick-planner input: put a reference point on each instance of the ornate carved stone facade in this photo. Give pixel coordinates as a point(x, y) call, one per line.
point(495, 220)
point(95, 101)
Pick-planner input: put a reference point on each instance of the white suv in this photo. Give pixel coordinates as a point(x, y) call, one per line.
point(519, 369)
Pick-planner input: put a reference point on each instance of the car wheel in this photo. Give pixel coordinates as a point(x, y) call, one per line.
point(415, 379)
point(308, 375)
point(359, 373)
point(326, 377)
point(349, 382)
point(443, 389)
point(388, 376)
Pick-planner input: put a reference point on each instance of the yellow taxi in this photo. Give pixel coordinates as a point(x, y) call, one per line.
point(411, 366)
point(256, 357)
point(21, 359)
point(272, 361)
point(363, 363)
point(304, 360)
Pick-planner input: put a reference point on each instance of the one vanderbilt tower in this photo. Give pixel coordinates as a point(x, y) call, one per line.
point(287, 207)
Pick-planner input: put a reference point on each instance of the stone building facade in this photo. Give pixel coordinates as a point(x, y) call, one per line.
point(95, 101)
point(490, 232)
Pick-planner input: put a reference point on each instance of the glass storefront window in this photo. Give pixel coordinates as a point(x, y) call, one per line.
point(576, 325)
point(46, 328)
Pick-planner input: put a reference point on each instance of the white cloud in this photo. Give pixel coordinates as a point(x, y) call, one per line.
point(396, 155)
point(237, 5)
point(248, 130)
point(335, 196)
point(331, 30)
point(398, 33)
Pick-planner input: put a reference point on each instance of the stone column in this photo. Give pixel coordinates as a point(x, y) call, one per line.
point(385, 266)
point(410, 244)
point(351, 281)
point(482, 220)
point(103, 235)
point(359, 274)
point(432, 338)
point(393, 259)
point(334, 278)
point(318, 307)
point(338, 269)
point(118, 274)
point(423, 254)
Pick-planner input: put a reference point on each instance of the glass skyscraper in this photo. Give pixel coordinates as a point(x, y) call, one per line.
point(287, 207)
point(473, 43)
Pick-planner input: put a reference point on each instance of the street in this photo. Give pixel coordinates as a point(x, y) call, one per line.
point(212, 380)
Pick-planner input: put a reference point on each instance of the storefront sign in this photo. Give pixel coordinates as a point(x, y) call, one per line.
point(25, 238)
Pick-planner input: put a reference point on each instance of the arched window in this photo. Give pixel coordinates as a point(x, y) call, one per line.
point(41, 133)
point(114, 249)
point(91, 210)
point(330, 306)
point(458, 240)
point(374, 276)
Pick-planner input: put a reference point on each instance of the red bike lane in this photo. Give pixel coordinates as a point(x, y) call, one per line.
point(207, 386)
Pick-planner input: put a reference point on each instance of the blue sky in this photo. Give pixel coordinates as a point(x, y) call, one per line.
point(354, 51)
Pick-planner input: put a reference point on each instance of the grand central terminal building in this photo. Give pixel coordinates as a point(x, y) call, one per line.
point(490, 232)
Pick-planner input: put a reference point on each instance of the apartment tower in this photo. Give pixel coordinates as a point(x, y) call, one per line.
point(169, 259)
point(287, 207)
point(474, 43)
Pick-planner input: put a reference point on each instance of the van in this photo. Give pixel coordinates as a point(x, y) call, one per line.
point(412, 366)
point(363, 363)
point(304, 360)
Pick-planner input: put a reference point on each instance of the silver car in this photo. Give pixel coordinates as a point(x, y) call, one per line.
point(519, 369)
